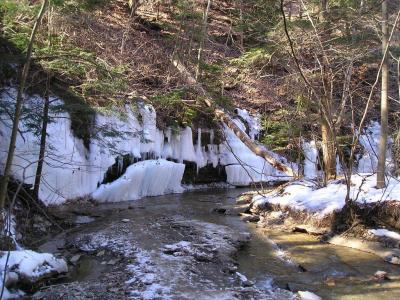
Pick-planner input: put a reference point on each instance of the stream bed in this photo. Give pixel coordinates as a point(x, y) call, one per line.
point(176, 247)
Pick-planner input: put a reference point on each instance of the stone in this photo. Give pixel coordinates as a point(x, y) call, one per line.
point(74, 259)
point(393, 260)
point(380, 275)
point(101, 253)
point(236, 210)
point(112, 261)
point(125, 220)
point(11, 278)
point(249, 218)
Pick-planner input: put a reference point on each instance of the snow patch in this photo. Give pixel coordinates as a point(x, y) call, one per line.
point(305, 295)
point(306, 196)
point(385, 233)
point(29, 266)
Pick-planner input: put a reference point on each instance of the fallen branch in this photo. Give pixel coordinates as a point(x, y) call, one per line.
point(227, 120)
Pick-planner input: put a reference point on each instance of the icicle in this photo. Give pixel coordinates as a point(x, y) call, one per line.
point(198, 148)
point(120, 163)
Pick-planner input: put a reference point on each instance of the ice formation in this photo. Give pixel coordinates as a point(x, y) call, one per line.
point(145, 178)
point(242, 166)
point(72, 170)
point(310, 159)
point(369, 140)
point(253, 122)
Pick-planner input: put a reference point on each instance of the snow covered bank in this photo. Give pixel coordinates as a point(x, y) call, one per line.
point(306, 196)
point(145, 178)
point(29, 267)
point(385, 233)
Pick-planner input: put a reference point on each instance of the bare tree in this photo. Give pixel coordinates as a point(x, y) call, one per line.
point(43, 136)
point(18, 106)
point(202, 39)
point(322, 91)
point(380, 180)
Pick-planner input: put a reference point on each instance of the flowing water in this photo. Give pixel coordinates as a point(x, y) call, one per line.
point(292, 261)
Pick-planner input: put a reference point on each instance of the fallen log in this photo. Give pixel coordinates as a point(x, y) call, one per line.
point(227, 120)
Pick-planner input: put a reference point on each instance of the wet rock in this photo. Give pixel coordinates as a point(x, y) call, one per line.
point(74, 259)
point(309, 230)
point(305, 295)
point(330, 281)
point(125, 220)
point(244, 199)
point(273, 218)
point(7, 243)
point(244, 281)
point(381, 275)
point(249, 218)
point(219, 210)
point(112, 261)
point(393, 260)
point(236, 210)
point(83, 219)
point(11, 279)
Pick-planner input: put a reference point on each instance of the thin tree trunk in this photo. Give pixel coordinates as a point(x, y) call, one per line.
point(18, 107)
point(324, 10)
point(328, 150)
point(241, 20)
point(43, 136)
point(398, 76)
point(202, 39)
point(300, 10)
point(380, 181)
point(225, 118)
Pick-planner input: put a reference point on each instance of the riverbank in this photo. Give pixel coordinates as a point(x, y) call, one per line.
point(370, 222)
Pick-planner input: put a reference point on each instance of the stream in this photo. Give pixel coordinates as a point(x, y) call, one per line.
point(176, 247)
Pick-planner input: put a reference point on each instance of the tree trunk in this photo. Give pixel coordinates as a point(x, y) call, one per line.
point(202, 39)
point(134, 5)
point(328, 150)
point(300, 10)
point(225, 118)
point(18, 107)
point(324, 10)
point(43, 136)
point(380, 181)
point(241, 32)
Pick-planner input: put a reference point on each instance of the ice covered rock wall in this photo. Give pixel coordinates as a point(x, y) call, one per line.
point(71, 170)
